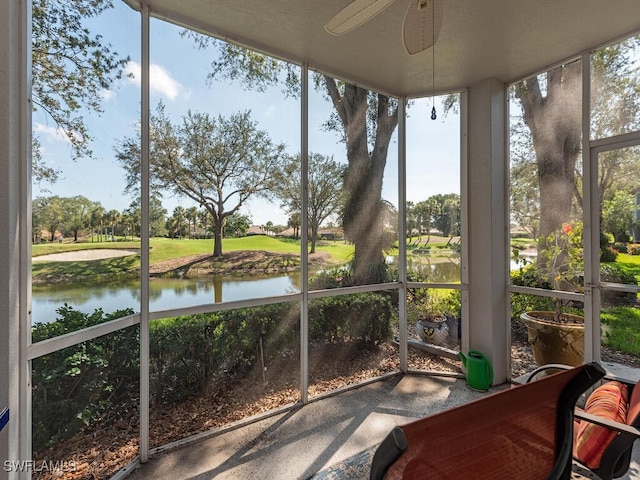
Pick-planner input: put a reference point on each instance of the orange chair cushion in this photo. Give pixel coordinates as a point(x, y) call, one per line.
point(608, 401)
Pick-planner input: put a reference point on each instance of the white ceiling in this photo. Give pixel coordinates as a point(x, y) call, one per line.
point(503, 39)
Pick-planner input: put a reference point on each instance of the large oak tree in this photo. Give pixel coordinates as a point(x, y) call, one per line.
point(71, 68)
point(325, 197)
point(552, 111)
point(365, 121)
point(553, 116)
point(218, 162)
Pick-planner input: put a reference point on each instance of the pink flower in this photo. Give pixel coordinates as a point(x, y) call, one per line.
point(567, 228)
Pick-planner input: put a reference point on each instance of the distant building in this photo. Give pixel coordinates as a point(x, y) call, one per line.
point(255, 230)
point(287, 232)
point(334, 233)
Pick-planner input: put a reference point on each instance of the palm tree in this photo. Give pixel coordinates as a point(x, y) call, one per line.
point(206, 221)
point(97, 217)
point(112, 218)
point(294, 222)
point(452, 208)
point(192, 216)
point(179, 214)
point(411, 219)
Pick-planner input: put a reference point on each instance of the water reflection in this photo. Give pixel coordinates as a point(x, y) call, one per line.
point(164, 293)
point(435, 269)
point(168, 293)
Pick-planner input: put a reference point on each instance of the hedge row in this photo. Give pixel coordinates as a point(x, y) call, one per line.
point(75, 386)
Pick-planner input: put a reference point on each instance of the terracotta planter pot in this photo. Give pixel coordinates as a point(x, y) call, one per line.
point(554, 342)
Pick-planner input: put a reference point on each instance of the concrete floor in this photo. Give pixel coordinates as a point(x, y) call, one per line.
point(299, 443)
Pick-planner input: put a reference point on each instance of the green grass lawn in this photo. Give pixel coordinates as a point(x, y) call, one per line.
point(522, 243)
point(621, 324)
point(165, 249)
point(621, 329)
point(434, 241)
point(629, 264)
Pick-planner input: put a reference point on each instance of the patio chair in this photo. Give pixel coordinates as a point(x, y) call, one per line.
point(606, 426)
point(524, 433)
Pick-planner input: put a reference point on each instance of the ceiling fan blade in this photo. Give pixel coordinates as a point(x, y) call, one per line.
point(354, 15)
point(422, 24)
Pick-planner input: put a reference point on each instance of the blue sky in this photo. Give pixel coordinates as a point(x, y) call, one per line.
point(178, 79)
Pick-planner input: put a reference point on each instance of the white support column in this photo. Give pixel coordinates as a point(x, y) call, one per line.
point(304, 237)
point(144, 238)
point(488, 232)
point(14, 221)
point(591, 220)
point(402, 230)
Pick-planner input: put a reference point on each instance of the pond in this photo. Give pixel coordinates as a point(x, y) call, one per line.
point(167, 293)
point(164, 293)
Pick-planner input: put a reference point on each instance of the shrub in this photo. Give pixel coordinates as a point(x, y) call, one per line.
point(614, 274)
point(622, 237)
point(334, 278)
point(633, 249)
point(184, 351)
point(191, 352)
point(528, 277)
point(76, 385)
point(435, 304)
point(363, 318)
point(620, 247)
point(608, 254)
point(606, 239)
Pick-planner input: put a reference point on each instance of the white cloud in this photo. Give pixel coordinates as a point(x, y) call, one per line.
point(159, 79)
point(53, 134)
point(107, 94)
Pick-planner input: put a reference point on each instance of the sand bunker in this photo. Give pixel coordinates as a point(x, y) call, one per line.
point(84, 255)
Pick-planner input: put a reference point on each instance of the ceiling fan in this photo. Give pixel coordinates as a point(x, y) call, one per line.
point(420, 29)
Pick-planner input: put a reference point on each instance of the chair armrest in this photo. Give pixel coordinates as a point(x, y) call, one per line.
point(544, 368)
point(393, 445)
point(559, 366)
point(604, 422)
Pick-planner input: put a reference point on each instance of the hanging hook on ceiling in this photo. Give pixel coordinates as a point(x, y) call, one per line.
point(433, 59)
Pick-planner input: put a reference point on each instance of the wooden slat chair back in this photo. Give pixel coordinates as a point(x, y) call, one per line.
point(523, 433)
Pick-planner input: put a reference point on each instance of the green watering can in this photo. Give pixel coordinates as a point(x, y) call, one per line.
point(479, 370)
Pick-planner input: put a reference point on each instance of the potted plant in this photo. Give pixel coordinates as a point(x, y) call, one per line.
point(557, 336)
point(433, 326)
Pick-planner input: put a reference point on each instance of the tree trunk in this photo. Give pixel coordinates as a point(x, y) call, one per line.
point(363, 181)
point(555, 124)
point(363, 217)
point(314, 236)
point(217, 237)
